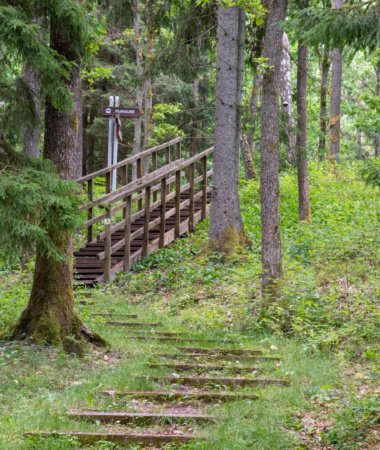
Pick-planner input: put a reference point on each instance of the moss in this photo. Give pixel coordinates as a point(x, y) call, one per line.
point(47, 331)
point(230, 244)
point(73, 345)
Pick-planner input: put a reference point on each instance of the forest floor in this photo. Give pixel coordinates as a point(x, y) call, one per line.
point(325, 328)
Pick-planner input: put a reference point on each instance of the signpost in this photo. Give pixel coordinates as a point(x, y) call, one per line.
point(115, 112)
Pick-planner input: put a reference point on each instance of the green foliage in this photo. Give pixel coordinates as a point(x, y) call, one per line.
point(354, 424)
point(33, 201)
point(371, 172)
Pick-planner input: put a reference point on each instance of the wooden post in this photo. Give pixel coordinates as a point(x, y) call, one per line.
point(191, 194)
point(177, 202)
point(154, 167)
point(204, 187)
point(127, 233)
point(167, 155)
point(146, 222)
point(162, 213)
point(178, 150)
point(107, 246)
point(139, 175)
point(108, 182)
point(124, 175)
point(90, 195)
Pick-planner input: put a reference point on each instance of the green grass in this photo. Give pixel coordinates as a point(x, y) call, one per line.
point(325, 326)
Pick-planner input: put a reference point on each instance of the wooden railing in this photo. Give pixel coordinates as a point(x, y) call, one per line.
point(123, 171)
point(179, 183)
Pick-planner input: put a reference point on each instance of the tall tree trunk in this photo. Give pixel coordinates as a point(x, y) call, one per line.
point(249, 166)
point(226, 228)
point(336, 94)
point(377, 135)
point(148, 127)
point(269, 148)
point(194, 137)
point(286, 97)
point(139, 79)
point(325, 68)
point(32, 81)
point(253, 110)
point(359, 149)
point(49, 317)
point(302, 164)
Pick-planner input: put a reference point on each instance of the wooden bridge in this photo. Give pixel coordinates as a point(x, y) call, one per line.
point(160, 196)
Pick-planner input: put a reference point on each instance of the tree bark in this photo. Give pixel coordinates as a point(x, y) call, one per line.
point(32, 81)
point(139, 79)
point(253, 110)
point(336, 94)
point(49, 317)
point(286, 97)
point(377, 134)
point(302, 163)
point(226, 227)
point(148, 126)
point(269, 148)
point(194, 137)
point(325, 68)
point(249, 166)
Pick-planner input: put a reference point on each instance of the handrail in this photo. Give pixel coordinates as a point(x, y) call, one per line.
point(129, 160)
point(142, 183)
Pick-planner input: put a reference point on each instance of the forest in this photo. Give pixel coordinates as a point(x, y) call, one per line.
point(190, 224)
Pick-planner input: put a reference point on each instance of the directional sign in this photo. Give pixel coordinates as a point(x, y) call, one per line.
point(132, 113)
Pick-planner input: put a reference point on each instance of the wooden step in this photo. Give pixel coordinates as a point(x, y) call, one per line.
point(181, 367)
point(127, 316)
point(174, 395)
point(202, 381)
point(134, 324)
point(219, 357)
point(178, 339)
point(224, 351)
point(137, 418)
point(122, 438)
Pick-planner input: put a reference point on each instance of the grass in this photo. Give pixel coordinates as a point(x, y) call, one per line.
point(325, 327)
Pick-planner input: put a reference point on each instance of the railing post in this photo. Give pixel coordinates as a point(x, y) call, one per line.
point(139, 175)
point(177, 203)
point(178, 150)
point(146, 222)
point(204, 187)
point(124, 175)
point(90, 195)
point(127, 233)
point(162, 213)
point(191, 194)
point(107, 246)
point(154, 167)
point(108, 182)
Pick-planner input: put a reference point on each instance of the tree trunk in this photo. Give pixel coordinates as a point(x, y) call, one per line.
point(253, 110)
point(336, 94)
point(325, 68)
point(139, 79)
point(148, 127)
point(269, 148)
point(377, 135)
point(286, 97)
point(249, 166)
point(359, 149)
point(32, 81)
point(302, 165)
point(226, 228)
point(49, 317)
point(194, 137)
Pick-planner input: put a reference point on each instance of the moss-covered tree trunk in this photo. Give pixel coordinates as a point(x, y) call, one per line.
point(226, 228)
point(50, 317)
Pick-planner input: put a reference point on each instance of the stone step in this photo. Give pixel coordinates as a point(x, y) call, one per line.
point(174, 395)
point(120, 438)
point(142, 418)
point(202, 381)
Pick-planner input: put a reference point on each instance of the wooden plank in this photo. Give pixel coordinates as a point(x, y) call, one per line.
point(150, 439)
point(204, 187)
point(162, 212)
point(146, 222)
point(204, 367)
point(90, 196)
point(127, 234)
point(175, 395)
point(177, 203)
point(221, 381)
point(140, 418)
point(107, 248)
point(228, 351)
point(191, 194)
